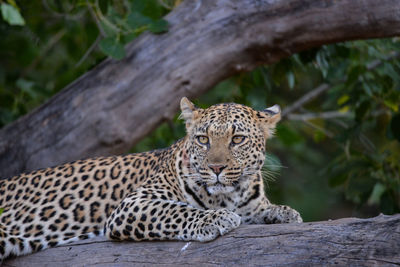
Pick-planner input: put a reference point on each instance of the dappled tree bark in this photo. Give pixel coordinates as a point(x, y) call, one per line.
point(111, 107)
point(344, 242)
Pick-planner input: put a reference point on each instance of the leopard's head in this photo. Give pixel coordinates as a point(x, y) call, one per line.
point(225, 143)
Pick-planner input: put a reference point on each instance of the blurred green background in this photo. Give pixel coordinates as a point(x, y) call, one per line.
point(337, 155)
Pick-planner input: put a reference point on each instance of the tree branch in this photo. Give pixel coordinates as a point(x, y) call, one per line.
point(113, 106)
point(306, 98)
point(344, 242)
point(90, 49)
point(320, 115)
point(325, 87)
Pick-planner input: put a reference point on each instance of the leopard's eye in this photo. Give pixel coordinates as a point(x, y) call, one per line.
point(238, 139)
point(203, 139)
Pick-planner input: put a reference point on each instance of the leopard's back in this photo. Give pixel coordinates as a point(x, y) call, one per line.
point(69, 202)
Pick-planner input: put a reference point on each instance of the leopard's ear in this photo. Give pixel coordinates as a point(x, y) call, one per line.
point(269, 117)
point(189, 112)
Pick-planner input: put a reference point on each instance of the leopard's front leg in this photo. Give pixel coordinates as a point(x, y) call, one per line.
point(143, 215)
point(281, 214)
point(255, 208)
point(265, 212)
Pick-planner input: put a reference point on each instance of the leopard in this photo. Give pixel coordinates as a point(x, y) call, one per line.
point(201, 187)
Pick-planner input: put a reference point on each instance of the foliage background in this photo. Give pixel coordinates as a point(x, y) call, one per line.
point(337, 155)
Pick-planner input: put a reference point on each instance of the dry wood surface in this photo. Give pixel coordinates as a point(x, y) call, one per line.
point(344, 242)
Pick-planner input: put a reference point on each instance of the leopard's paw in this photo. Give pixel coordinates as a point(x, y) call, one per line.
point(215, 223)
point(281, 214)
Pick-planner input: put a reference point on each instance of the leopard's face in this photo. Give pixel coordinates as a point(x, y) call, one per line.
point(226, 144)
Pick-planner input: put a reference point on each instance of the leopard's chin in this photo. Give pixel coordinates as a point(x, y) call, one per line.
point(219, 188)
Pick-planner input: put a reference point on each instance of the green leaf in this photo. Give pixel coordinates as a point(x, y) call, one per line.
point(337, 180)
point(388, 204)
point(392, 100)
point(354, 73)
point(368, 89)
point(108, 28)
point(138, 5)
point(149, 8)
point(376, 194)
point(136, 20)
point(103, 5)
point(11, 15)
point(128, 37)
point(6, 100)
point(343, 99)
point(288, 136)
point(395, 126)
point(319, 136)
point(308, 55)
point(112, 47)
point(341, 51)
point(1, 210)
point(391, 104)
point(27, 87)
point(359, 188)
point(291, 79)
point(362, 110)
point(159, 26)
point(256, 101)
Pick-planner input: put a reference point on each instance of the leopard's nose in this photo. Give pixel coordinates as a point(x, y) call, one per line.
point(217, 168)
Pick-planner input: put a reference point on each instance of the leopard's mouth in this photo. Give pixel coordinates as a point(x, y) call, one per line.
point(219, 188)
point(218, 185)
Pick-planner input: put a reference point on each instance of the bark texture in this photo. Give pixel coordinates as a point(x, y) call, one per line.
point(113, 106)
point(344, 242)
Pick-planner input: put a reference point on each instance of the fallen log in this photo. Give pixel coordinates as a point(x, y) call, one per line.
point(113, 106)
point(343, 242)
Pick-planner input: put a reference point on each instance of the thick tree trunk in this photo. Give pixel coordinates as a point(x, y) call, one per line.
point(344, 242)
point(113, 106)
